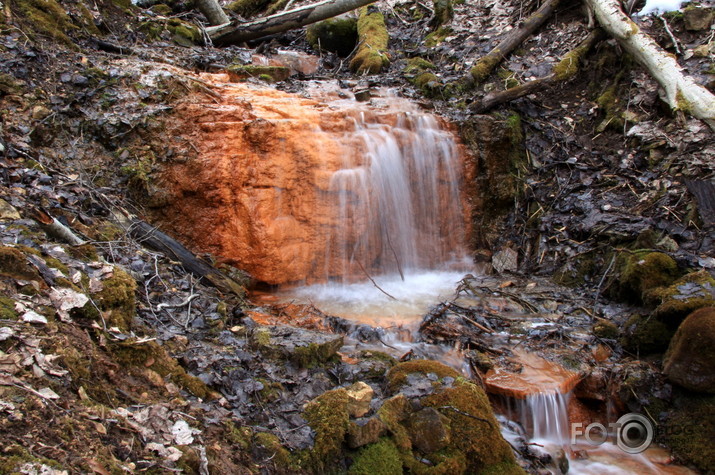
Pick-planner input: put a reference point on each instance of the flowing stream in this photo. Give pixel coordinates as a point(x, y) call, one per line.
point(400, 249)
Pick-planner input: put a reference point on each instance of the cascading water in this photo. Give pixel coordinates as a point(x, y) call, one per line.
point(397, 240)
point(397, 200)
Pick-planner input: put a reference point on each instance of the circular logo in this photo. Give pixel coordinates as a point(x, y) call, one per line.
point(634, 434)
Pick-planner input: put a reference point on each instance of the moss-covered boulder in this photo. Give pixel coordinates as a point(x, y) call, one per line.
point(641, 273)
point(421, 73)
point(465, 436)
point(371, 56)
point(690, 359)
point(239, 73)
point(328, 416)
point(687, 294)
point(339, 35)
point(644, 335)
point(689, 431)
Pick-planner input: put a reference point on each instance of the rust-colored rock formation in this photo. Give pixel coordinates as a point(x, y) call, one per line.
point(537, 375)
point(257, 192)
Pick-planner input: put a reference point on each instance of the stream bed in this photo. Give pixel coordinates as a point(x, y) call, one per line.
point(528, 342)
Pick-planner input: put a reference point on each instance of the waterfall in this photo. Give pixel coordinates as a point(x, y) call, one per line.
point(546, 415)
point(396, 198)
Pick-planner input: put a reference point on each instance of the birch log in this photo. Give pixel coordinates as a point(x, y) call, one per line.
point(212, 11)
point(298, 17)
point(681, 92)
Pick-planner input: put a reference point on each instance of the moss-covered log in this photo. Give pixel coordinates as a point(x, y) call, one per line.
point(234, 33)
point(371, 55)
point(681, 91)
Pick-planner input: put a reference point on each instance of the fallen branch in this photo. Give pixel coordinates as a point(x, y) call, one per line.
point(234, 33)
point(487, 63)
point(373, 282)
point(563, 71)
point(53, 227)
point(681, 92)
point(151, 237)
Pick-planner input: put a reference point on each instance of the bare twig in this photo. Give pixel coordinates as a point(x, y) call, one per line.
point(373, 282)
point(389, 243)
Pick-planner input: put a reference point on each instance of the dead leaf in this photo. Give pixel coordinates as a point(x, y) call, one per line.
point(33, 317)
point(6, 333)
point(48, 393)
point(97, 467)
point(65, 300)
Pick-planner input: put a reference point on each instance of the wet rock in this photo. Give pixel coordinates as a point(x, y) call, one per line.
point(645, 335)
point(238, 73)
point(697, 18)
point(304, 348)
point(429, 430)
point(360, 395)
point(505, 260)
point(689, 359)
point(684, 296)
point(365, 431)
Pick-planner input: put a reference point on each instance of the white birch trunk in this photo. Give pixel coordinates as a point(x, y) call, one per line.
point(681, 91)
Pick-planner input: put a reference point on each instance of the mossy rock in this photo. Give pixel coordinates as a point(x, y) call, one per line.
point(475, 442)
point(690, 359)
point(642, 273)
point(689, 431)
point(339, 35)
point(10, 85)
point(645, 335)
point(116, 300)
point(239, 73)
point(474, 429)
point(380, 458)
point(443, 13)
point(437, 36)
point(397, 376)
point(371, 56)
point(605, 329)
point(184, 33)
point(328, 416)
point(13, 263)
point(140, 356)
point(687, 294)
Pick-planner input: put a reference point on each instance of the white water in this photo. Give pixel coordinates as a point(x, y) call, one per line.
point(544, 422)
point(397, 198)
point(365, 303)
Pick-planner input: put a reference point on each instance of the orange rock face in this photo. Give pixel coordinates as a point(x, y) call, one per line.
point(537, 375)
point(259, 191)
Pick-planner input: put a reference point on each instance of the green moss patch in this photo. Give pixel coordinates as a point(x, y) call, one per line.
point(46, 18)
point(644, 335)
point(642, 273)
point(14, 264)
point(137, 357)
point(380, 458)
point(687, 294)
point(690, 429)
point(328, 417)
